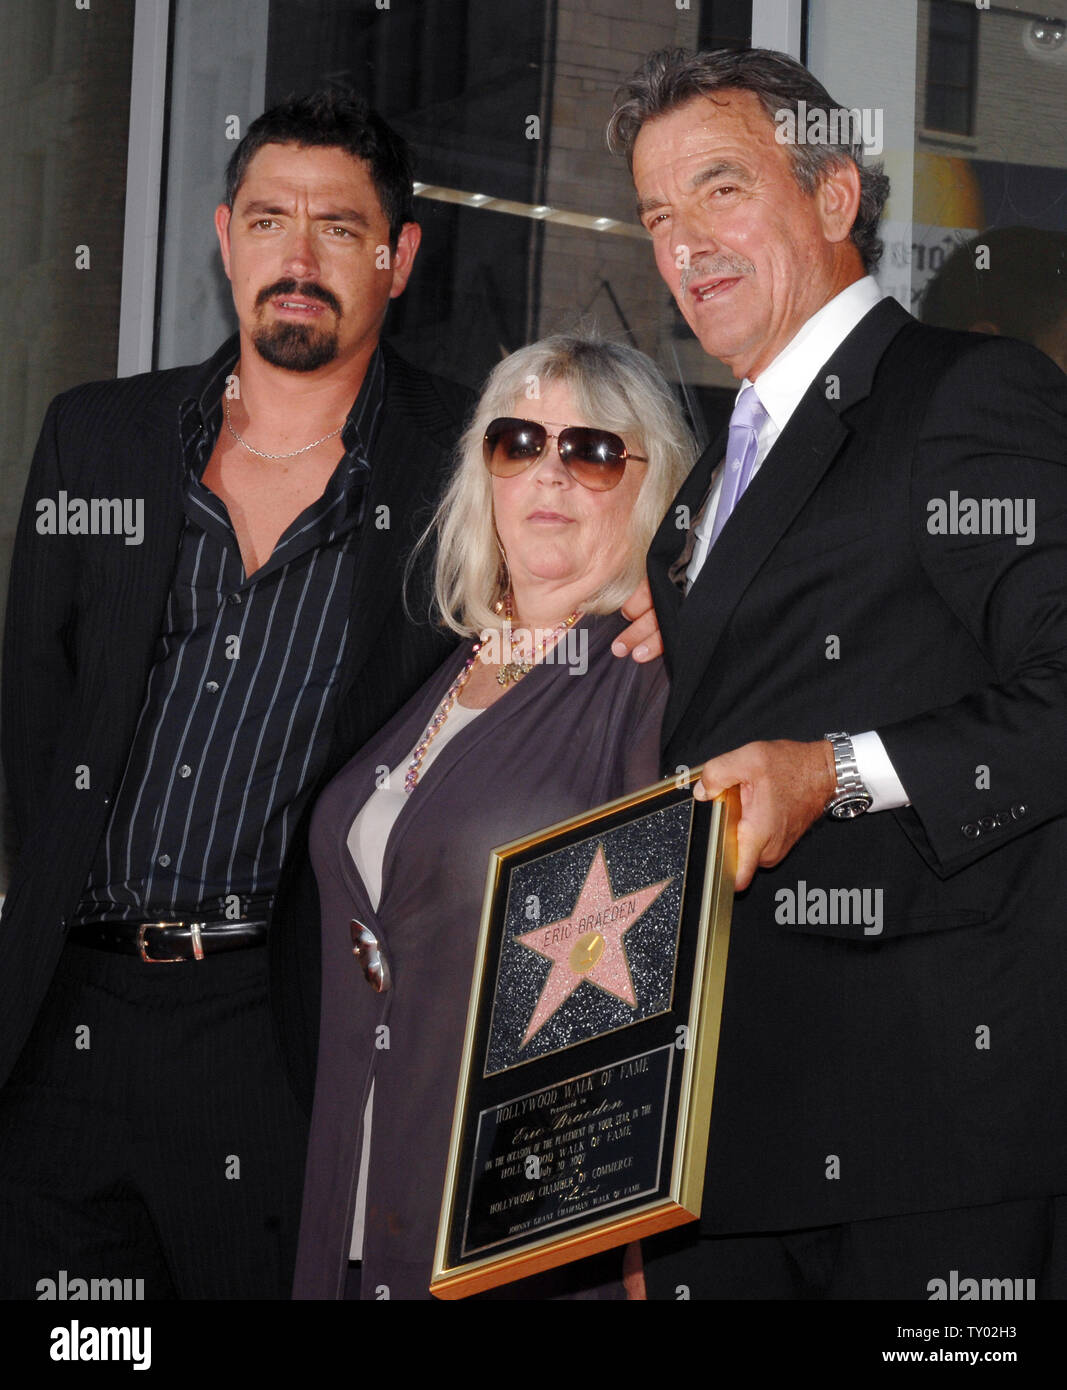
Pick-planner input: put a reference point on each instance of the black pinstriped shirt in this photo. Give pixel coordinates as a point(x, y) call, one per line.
point(237, 714)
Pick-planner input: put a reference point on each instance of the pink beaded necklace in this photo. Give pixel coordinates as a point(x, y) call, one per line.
point(411, 777)
point(511, 671)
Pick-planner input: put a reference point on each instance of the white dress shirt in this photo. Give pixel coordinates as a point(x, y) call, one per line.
point(780, 387)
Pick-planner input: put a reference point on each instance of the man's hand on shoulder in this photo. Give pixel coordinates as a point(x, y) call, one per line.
point(784, 788)
point(641, 639)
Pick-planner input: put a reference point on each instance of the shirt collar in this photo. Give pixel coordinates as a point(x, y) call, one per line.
point(200, 417)
point(782, 384)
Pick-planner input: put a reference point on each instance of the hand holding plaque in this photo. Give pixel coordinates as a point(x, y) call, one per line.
point(585, 1089)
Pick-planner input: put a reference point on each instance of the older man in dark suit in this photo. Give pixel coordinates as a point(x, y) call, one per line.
point(860, 591)
point(176, 689)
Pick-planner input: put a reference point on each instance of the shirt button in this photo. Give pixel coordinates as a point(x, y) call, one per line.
point(235, 599)
point(986, 823)
point(211, 687)
point(163, 860)
point(971, 830)
point(1018, 811)
point(185, 770)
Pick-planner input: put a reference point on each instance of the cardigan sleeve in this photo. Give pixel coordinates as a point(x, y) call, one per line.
point(639, 729)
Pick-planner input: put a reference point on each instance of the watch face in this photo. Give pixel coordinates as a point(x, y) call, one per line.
point(851, 807)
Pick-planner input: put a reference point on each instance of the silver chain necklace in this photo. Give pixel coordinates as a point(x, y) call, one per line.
point(259, 452)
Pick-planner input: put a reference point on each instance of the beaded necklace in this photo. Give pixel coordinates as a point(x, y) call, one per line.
point(509, 671)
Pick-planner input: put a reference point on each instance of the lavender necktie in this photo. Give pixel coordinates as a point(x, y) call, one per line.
point(745, 422)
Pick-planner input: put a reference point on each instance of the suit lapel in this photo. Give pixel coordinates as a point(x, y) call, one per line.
point(149, 450)
point(414, 437)
point(794, 468)
point(667, 542)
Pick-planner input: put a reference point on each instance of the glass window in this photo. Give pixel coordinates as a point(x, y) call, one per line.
point(976, 228)
point(950, 66)
point(528, 222)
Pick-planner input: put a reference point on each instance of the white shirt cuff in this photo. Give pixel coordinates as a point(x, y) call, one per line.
point(874, 767)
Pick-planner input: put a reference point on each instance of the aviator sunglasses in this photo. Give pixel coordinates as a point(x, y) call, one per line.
point(595, 458)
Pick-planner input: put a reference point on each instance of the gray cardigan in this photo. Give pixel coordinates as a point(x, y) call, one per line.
point(556, 744)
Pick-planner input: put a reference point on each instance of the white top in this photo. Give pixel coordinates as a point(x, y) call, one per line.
point(367, 839)
point(780, 387)
point(369, 832)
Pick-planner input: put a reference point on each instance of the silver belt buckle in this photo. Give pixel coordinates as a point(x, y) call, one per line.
point(366, 949)
point(198, 942)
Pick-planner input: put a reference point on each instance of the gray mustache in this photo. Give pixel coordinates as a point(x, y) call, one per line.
point(703, 267)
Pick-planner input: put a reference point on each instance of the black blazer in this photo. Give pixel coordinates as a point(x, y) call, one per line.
point(83, 618)
point(863, 1072)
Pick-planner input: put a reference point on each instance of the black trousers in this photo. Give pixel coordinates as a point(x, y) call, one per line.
point(894, 1257)
point(149, 1132)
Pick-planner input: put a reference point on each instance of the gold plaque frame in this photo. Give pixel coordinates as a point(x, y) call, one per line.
point(686, 1032)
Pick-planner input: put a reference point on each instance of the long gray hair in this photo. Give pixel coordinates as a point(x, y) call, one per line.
point(615, 387)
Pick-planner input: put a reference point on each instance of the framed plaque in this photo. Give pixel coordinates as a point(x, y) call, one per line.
point(584, 1099)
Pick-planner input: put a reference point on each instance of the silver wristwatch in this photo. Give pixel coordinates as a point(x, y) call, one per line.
point(851, 798)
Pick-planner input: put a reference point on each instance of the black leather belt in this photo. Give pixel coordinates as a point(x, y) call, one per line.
point(160, 943)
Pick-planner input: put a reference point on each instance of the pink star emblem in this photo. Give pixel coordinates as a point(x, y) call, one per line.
point(588, 945)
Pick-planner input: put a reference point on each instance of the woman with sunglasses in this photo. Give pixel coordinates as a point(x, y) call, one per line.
point(575, 451)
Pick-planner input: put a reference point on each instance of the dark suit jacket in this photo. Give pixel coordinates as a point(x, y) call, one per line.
point(83, 617)
point(924, 1066)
